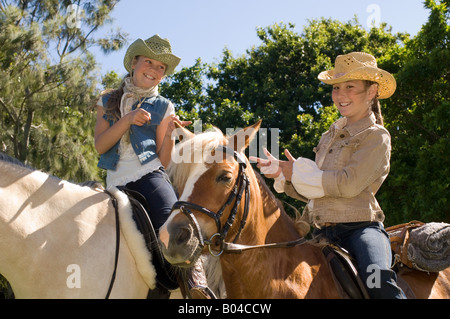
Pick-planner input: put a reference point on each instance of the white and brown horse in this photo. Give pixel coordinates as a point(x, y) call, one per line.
point(59, 239)
point(227, 209)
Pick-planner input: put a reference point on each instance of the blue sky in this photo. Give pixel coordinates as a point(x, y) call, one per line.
point(203, 28)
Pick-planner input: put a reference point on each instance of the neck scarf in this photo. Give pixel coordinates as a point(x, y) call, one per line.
point(132, 94)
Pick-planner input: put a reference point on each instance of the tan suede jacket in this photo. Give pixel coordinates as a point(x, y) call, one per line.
point(355, 162)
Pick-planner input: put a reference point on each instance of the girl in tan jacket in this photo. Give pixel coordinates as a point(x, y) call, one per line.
point(352, 161)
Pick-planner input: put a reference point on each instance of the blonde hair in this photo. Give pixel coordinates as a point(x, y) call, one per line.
point(375, 106)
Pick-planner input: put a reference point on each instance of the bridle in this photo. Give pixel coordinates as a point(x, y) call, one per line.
point(241, 185)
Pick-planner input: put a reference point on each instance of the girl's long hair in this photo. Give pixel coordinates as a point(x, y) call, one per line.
point(375, 104)
point(112, 107)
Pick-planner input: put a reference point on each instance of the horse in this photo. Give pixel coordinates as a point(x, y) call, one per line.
point(59, 239)
point(228, 213)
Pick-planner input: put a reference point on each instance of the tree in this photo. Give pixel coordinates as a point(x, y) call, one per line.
point(47, 81)
point(417, 117)
point(186, 90)
point(277, 80)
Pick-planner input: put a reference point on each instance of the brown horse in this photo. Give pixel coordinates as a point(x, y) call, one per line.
point(227, 208)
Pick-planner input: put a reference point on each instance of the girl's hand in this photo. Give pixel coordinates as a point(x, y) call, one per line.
point(287, 166)
point(272, 167)
point(171, 126)
point(139, 117)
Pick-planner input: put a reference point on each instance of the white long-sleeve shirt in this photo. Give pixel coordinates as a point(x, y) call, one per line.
point(306, 179)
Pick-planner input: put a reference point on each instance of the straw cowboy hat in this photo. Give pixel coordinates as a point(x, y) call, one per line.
point(360, 66)
point(155, 48)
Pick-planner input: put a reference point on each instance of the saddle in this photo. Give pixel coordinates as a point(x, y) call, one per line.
point(165, 274)
point(344, 272)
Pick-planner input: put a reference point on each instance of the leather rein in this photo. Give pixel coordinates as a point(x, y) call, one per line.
point(241, 186)
point(116, 254)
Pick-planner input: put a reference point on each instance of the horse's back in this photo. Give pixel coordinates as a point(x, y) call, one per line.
point(424, 285)
point(52, 233)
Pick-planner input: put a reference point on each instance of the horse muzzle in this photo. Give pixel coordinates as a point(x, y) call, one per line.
point(181, 241)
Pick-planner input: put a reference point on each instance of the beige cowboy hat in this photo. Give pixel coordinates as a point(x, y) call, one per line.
point(360, 66)
point(155, 48)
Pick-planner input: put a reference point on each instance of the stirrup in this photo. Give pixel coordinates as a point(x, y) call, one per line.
point(201, 292)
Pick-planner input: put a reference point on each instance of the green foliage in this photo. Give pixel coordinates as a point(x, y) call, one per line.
point(417, 117)
point(312, 130)
point(111, 80)
point(48, 81)
point(277, 82)
point(185, 89)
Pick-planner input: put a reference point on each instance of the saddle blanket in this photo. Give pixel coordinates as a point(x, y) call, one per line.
point(422, 246)
point(134, 238)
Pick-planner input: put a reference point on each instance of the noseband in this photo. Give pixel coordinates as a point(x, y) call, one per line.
point(242, 184)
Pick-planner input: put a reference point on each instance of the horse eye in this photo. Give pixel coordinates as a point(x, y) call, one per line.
point(224, 178)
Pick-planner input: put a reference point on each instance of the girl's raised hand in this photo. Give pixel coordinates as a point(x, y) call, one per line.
point(139, 117)
point(270, 167)
point(171, 125)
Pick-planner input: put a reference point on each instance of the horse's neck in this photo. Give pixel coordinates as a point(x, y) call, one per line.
point(279, 226)
point(245, 271)
point(274, 272)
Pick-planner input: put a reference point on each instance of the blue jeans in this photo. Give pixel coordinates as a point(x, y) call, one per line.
point(368, 243)
point(159, 193)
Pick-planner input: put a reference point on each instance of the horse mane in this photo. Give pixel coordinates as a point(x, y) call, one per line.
point(267, 193)
point(18, 164)
point(201, 143)
point(300, 225)
point(12, 160)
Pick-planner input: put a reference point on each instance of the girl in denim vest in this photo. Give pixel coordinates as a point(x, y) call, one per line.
point(352, 161)
point(134, 127)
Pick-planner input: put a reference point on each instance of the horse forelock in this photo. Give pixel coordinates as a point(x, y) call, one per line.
point(191, 153)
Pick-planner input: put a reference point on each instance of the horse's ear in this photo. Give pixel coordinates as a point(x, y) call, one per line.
point(182, 133)
point(241, 139)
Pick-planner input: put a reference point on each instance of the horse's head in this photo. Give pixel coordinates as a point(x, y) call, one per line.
point(209, 172)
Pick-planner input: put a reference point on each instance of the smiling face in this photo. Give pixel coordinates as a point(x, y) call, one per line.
point(147, 72)
point(352, 98)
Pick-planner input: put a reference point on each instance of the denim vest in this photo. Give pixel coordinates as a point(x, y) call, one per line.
point(142, 138)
